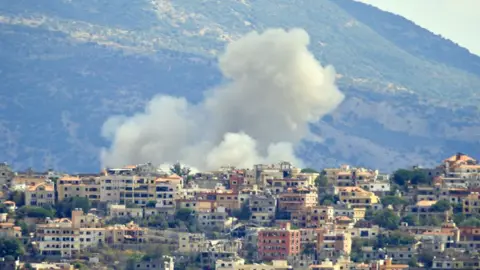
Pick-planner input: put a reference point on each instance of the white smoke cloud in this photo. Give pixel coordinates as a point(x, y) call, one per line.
point(276, 88)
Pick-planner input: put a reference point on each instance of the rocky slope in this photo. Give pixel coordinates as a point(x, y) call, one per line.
point(67, 65)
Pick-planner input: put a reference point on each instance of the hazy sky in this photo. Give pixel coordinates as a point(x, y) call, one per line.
point(458, 20)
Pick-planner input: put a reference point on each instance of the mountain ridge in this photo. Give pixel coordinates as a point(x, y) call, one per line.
point(70, 73)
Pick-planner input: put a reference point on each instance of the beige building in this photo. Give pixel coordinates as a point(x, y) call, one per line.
point(40, 194)
point(8, 229)
point(167, 191)
point(239, 264)
point(74, 186)
point(357, 197)
point(120, 211)
point(190, 242)
point(295, 199)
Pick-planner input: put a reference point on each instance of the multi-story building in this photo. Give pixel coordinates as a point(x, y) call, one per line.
point(332, 243)
point(190, 242)
point(6, 175)
point(279, 185)
point(74, 186)
point(121, 211)
point(278, 243)
point(8, 229)
point(295, 199)
point(218, 218)
point(357, 197)
point(355, 213)
point(40, 194)
point(228, 199)
point(167, 191)
point(313, 217)
point(263, 208)
point(129, 233)
point(471, 204)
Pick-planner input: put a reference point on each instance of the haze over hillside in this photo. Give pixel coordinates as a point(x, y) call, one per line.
point(68, 66)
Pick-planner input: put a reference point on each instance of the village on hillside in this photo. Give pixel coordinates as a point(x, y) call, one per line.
point(268, 217)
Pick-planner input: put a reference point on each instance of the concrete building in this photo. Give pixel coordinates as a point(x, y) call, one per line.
point(357, 197)
point(313, 217)
point(295, 199)
point(40, 194)
point(6, 176)
point(263, 208)
point(278, 243)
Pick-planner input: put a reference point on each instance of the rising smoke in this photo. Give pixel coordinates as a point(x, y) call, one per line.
point(275, 88)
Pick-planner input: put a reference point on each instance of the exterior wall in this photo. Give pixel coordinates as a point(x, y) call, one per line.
point(41, 194)
point(278, 244)
point(6, 175)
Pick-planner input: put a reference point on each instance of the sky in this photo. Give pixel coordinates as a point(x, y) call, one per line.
point(457, 20)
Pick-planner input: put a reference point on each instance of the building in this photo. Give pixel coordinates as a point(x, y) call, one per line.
point(331, 243)
point(8, 229)
point(190, 242)
point(121, 211)
point(263, 208)
point(218, 218)
point(165, 263)
point(40, 194)
point(74, 186)
point(167, 191)
point(6, 176)
point(387, 264)
point(278, 243)
point(357, 197)
point(313, 217)
point(295, 199)
point(471, 204)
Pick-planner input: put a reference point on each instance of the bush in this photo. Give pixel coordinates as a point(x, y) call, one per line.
point(441, 206)
point(34, 212)
point(11, 247)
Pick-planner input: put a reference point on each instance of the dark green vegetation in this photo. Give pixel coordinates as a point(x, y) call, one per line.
point(410, 95)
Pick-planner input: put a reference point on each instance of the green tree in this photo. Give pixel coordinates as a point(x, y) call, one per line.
point(157, 221)
point(18, 197)
point(471, 222)
point(244, 212)
point(308, 170)
point(308, 248)
point(394, 239)
point(151, 204)
point(11, 247)
point(426, 257)
point(411, 220)
point(328, 199)
point(184, 214)
point(419, 178)
point(441, 206)
point(459, 217)
point(64, 208)
point(386, 218)
point(413, 262)
point(402, 176)
point(180, 170)
point(321, 181)
point(394, 201)
point(34, 212)
point(431, 220)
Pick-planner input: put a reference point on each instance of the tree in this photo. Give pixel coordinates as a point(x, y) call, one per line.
point(402, 176)
point(395, 239)
point(411, 220)
point(386, 218)
point(184, 214)
point(426, 257)
point(157, 221)
point(244, 212)
point(328, 199)
point(394, 201)
point(419, 178)
point(471, 222)
point(308, 170)
point(11, 247)
point(431, 220)
point(459, 217)
point(64, 208)
point(413, 262)
point(18, 197)
point(180, 170)
point(441, 206)
point(151, 204)
point(308, 248)
point(34, 212)
point(321, 181)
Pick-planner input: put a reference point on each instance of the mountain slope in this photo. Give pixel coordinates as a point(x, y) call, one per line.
point(67, 65)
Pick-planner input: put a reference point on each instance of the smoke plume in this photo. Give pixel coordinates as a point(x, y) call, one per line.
point(275, 88)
